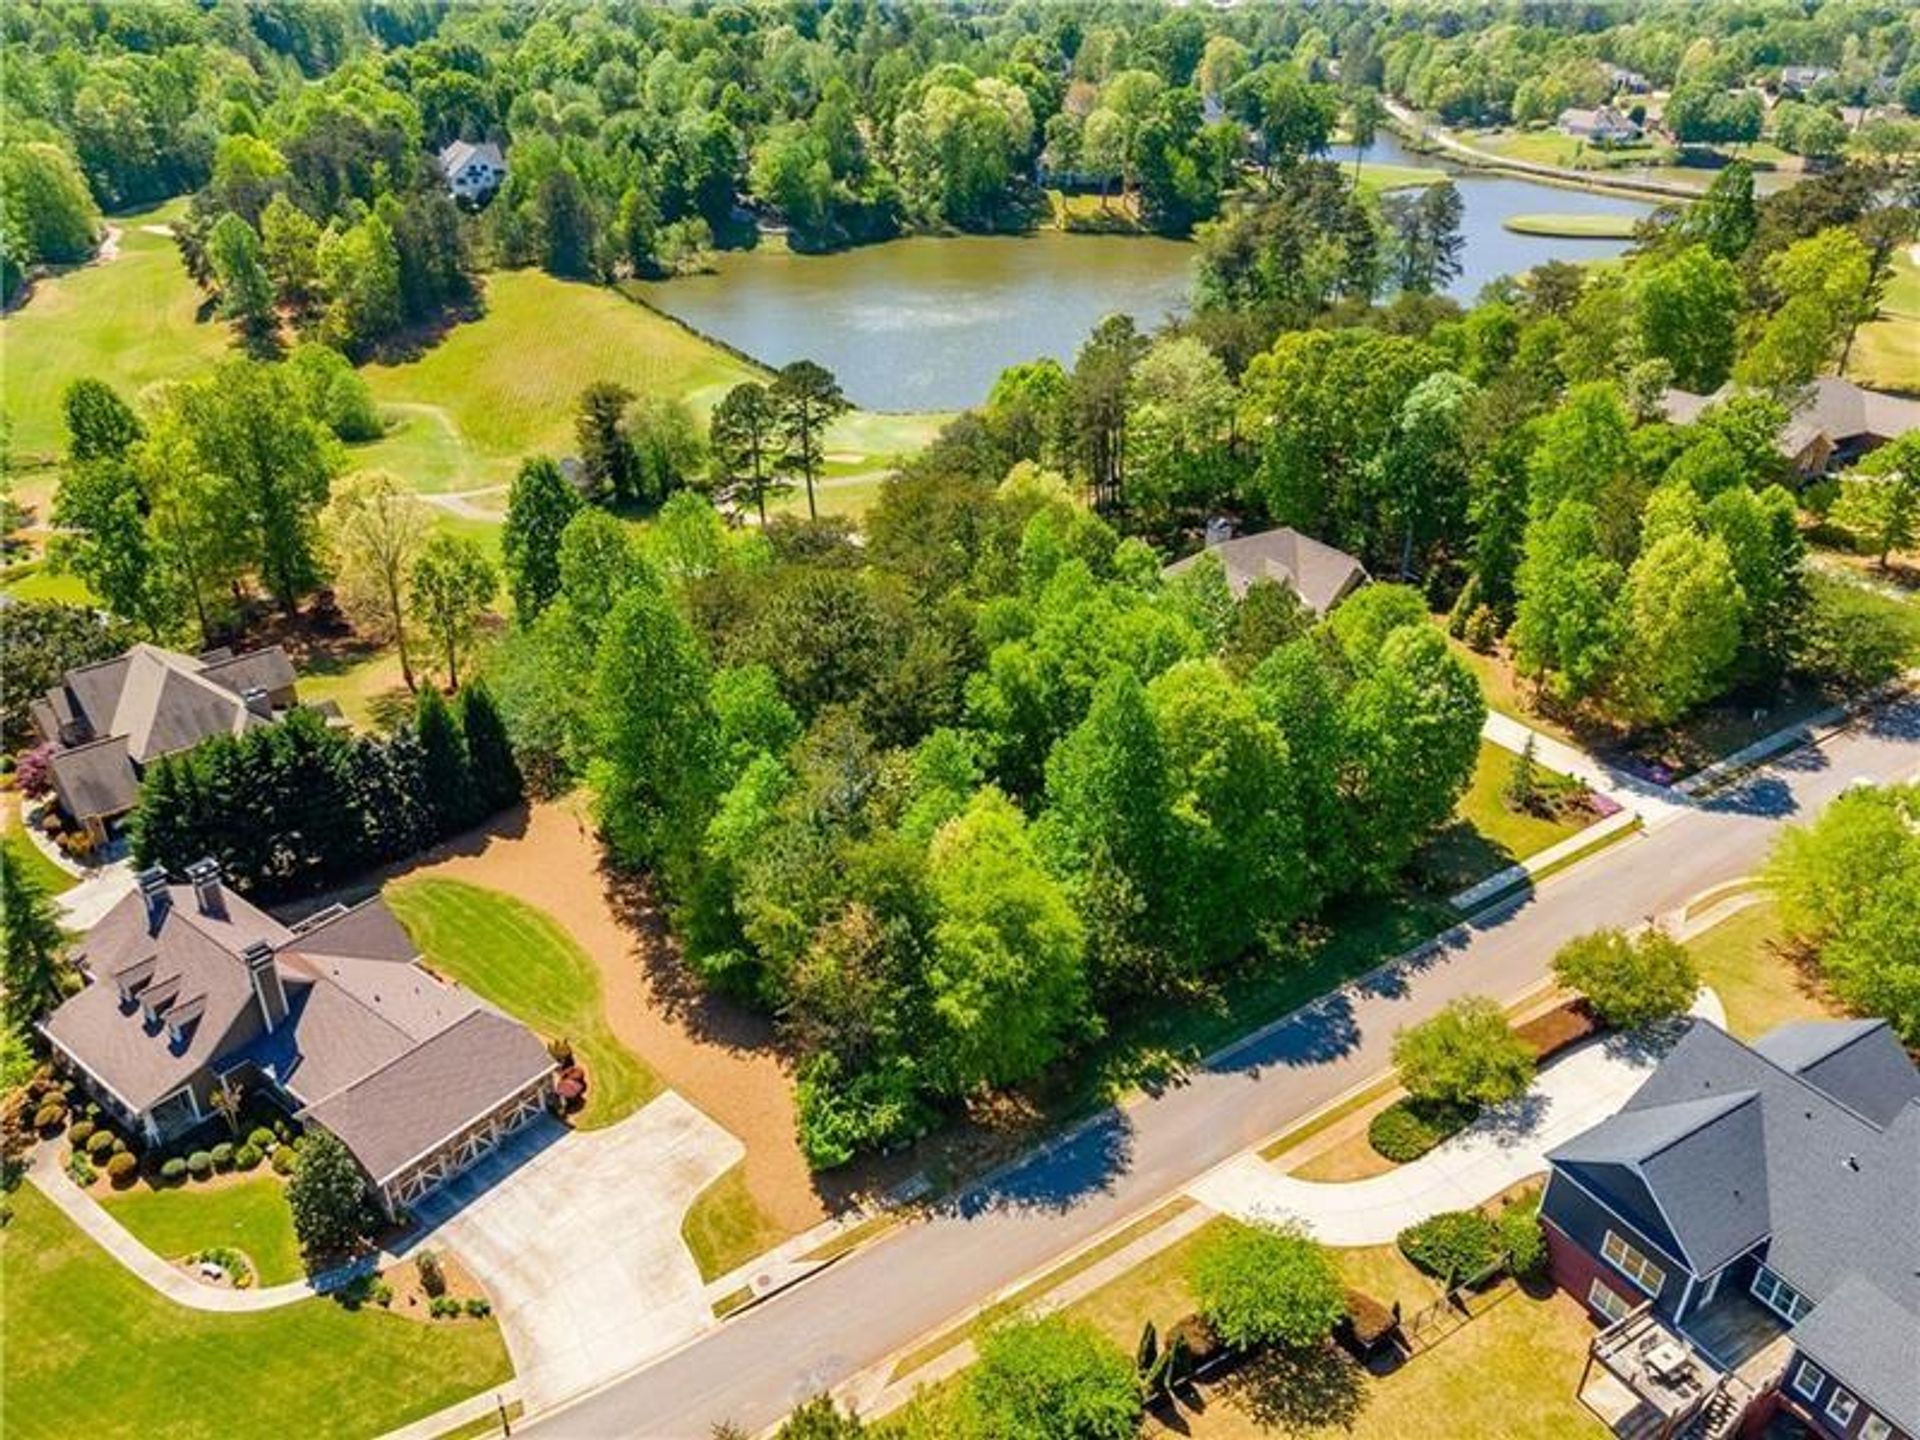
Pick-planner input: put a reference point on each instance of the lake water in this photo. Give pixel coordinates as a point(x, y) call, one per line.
point(928, 323)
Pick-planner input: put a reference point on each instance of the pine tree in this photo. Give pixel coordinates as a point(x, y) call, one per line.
point(1522, 792)
point(34, 967)
point(446, 774)
point(496, 778)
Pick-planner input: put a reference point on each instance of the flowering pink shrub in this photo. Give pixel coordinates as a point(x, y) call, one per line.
point(36, 772)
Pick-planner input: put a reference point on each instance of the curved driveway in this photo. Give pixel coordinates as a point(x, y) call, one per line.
point(1124, 1162)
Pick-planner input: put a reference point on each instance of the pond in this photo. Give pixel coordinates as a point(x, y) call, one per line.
point(928, 323)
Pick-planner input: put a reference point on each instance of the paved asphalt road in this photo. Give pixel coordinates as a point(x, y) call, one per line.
point(757, 1366)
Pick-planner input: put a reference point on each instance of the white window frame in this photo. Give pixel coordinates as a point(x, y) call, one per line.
point(1632, 1264)
point(1875, 1427)
point(1801, 1371)
point(1841, 1406)
point(1768, 1288)
point(1608, 1301)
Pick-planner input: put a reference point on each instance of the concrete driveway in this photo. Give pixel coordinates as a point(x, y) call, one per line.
point(576, 1235)
point(1572, 1094)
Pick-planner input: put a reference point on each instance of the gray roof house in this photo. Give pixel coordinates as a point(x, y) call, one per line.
point(1833, 421)
point(108, 721)
point(1748, 1229)
point(190, 988)
point(1603, 126)
point(1319, 574)
point(473, 169)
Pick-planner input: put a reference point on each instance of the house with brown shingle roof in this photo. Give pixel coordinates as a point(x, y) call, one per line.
point(190, 989)
point(107, 722)
point(1831, 423)
point(1319, 574)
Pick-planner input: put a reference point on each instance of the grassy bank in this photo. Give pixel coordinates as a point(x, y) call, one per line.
point(89, 1348)
point(1486, 836)
point(131, 321)
point(495, 389)
point(1886, 352)
point(724, 1228)
point(520, 959)
point(1572, 227)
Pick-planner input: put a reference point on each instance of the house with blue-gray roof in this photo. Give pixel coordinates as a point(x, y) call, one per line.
point(1746, 1230)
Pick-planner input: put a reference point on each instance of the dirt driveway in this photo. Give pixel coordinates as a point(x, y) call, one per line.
point(718, 1056)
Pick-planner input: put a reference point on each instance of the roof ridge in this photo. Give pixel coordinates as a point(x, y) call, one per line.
point(1728, 1102)
point(1801, 1080)
point(412, 1049)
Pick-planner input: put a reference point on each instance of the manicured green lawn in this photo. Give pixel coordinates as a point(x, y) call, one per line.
point(1377, 177)
point(129, 321)
point(36, 580)
point(1486, 836)
point(1755, 979)
point(493, 390)
point(521, 960)
point(46, 875)
point(89, 1349)
point(1886, 352)
point(248, 1215)
point(725, 1227)
point(1579, 227)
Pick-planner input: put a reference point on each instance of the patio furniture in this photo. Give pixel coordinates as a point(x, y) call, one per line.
point(1666, 1360)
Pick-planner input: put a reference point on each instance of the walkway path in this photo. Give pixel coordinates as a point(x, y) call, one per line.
point(1572, 1094)
point(82, 906)
point(1656, 805)
point(44, 1172)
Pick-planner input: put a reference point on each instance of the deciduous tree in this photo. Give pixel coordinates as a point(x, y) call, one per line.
point(1266, 1285)
point(453, 583)
point(1464, 1055)
point(376, 530)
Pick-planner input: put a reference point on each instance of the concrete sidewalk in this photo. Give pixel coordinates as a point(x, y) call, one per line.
point(44, 1172)
point(1570, 1095)
point(1656, 805)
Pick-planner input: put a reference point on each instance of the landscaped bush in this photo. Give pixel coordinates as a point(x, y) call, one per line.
point(174, 1169)
point(1453, 1246)
point(229, 1260)
point(122, 1168)
point(381, 1293)
point(479, 1307)
point(77, 1134)
point(1408, 1129)
point(261, 1139)
point(100, 1144)
point(1521, 1235)
point(247, 1156)
point(81, 1170)
point(285, 1157)
point(200, 1164)
point(433, 1279)
point(444, 1307)
point(223, 1156)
